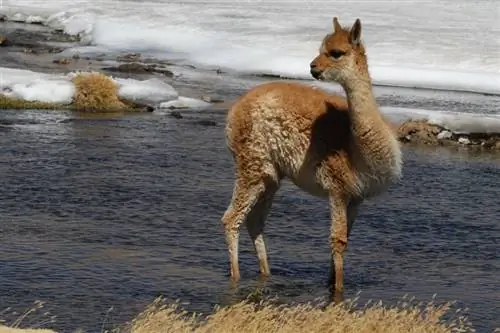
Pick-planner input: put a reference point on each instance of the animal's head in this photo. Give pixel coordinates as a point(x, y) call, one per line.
point(341, 55)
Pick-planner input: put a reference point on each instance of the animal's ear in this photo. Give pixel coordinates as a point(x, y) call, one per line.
point(355, 33)
point(336, 25)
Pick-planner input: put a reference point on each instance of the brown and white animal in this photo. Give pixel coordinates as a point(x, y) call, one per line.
point(329, 146)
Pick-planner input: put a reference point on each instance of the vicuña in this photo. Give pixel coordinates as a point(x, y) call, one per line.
point(327, 145)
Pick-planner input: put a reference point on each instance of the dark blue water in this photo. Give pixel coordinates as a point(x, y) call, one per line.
point(111, 212)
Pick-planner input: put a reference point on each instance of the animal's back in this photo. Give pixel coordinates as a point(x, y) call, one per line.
point(291, 129)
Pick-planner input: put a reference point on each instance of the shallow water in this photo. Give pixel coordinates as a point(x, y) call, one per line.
point(112, 212)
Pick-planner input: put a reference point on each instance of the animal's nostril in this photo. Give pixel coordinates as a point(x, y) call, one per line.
point(315, 72)
point(313, 66)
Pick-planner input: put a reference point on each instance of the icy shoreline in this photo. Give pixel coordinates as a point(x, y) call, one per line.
point(99, 33)
point(153, 84)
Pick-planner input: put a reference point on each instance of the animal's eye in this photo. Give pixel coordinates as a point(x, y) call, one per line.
point(336, 53)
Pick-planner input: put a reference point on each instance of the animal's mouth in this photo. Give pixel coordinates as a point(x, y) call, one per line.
point(315, 73)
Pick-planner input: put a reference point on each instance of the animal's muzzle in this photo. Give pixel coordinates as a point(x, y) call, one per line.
point(315, 71)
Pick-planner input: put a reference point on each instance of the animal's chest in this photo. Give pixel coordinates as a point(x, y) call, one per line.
point(291, 154)
point(376, 177)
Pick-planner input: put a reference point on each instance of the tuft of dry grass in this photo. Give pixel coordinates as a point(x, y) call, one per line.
point(33, 317)
point(247, 317)
point(256, 317)
point(19, 104)
point(5, 329)
point(96, 92)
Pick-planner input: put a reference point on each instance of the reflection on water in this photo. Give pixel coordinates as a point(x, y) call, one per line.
point(102, 212)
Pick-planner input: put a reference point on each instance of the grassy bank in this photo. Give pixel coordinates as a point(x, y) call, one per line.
point(251, 317)
point(248, 317)
point(94, 92)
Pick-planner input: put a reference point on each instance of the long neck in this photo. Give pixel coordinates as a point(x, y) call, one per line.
point(363, 108)
point(378, 150)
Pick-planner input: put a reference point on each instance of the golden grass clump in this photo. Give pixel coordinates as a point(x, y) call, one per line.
point(96, 92)
point(19, 104)
point(5, 329)
point(246, 317)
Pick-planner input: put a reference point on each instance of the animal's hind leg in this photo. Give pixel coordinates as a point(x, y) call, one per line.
point(246, 195)
point(256, 222)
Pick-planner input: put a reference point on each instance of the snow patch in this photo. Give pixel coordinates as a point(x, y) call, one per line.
point(152, 90)
point(185, 103)
point(33, 86)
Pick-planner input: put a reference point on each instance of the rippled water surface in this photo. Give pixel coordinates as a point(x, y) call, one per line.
point(112, 212)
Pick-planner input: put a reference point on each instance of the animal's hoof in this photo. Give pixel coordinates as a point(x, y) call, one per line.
point(337, 296)
point(264, 277)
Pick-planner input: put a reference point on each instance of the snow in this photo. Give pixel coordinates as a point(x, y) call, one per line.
point(185, 103)
point(152, 90)
point(33, 86)
point(417, 43)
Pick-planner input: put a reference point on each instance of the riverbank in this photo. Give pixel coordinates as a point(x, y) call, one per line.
point(264, 316)
point(39, 49)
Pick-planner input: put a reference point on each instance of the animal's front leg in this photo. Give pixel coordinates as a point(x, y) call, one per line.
point(338, 238)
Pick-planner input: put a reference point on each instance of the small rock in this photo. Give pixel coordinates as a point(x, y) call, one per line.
point(3, 17)
point(176, 114)
point(419, 131)
point(132, 67)
point(165, 72)
point(269, 76)
point(4, 41)
point(55, 50)
point(489, 143)
point(157, 62)
point(464, 141)
point(129, 57)
point(63, 61)
point(444, 135)
point(205, 122)
point(66, 121)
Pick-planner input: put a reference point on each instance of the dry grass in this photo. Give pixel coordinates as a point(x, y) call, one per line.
point(19, 104)
point(35, 316)
point(5, 329)
point(246, 317)
point(251, 317)
point(95, 92)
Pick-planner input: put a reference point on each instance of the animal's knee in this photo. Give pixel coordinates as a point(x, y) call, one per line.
point(339, 244)
point(228, 219)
